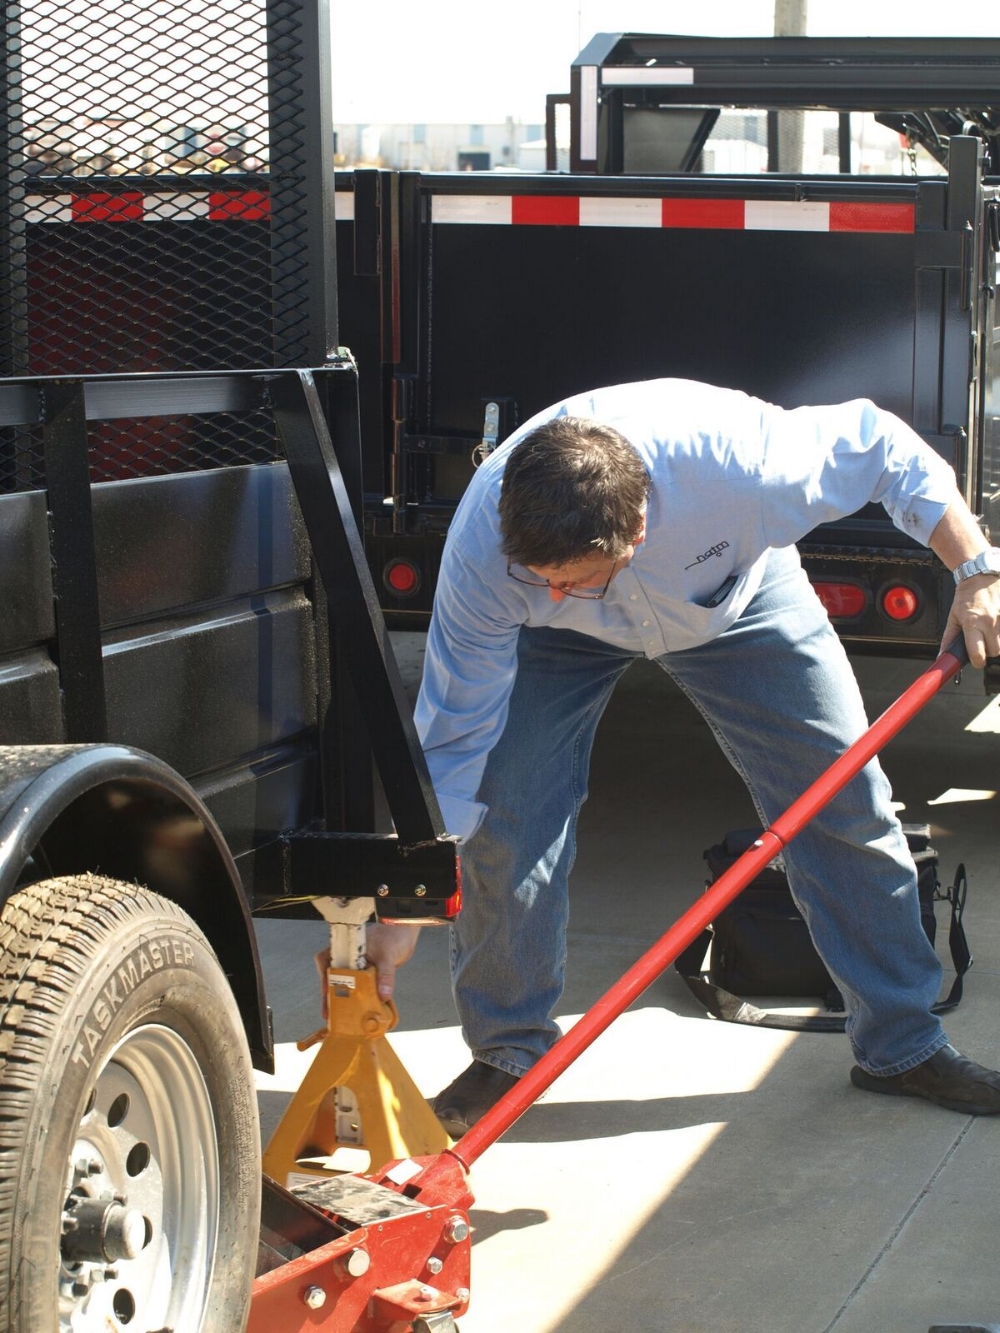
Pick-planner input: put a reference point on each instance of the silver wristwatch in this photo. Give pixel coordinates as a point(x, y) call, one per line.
point(986, 562)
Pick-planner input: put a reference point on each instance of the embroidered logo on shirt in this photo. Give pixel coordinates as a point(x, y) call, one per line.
point(707, 555)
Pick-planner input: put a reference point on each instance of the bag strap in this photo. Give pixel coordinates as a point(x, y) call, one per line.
point(722, 1004)
point(961, 956)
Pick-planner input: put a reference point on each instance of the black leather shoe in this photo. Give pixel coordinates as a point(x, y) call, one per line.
point(470, 1096)
point(947, 1079)
point(965, 1328)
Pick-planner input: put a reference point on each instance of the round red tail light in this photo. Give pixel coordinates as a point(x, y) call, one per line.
point(900, 602)
point(401, 578)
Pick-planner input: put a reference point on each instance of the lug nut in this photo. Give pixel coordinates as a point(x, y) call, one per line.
point(314, 1297)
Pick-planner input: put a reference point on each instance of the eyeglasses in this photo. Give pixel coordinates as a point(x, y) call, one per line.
point(585, 594)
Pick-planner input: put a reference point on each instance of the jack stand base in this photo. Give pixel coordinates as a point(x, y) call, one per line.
point(356, 1096)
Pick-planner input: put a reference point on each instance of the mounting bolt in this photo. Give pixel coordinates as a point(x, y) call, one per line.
point(314, 1297)
point(456, 1229)
point(383, 890)
point(420, 890)
point(434, 1265)
point(355, 1263)
point(462, 1294)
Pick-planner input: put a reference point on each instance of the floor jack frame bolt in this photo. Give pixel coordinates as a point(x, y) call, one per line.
point(314, 1297)
point(456, 1229)
point(355, 1263)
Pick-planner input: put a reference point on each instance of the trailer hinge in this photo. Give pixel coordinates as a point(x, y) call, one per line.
point(491, 434)
point(499, 419)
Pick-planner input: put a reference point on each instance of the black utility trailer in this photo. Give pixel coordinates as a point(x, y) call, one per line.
point(194, 673)
point(180, 653)
point(486, 296)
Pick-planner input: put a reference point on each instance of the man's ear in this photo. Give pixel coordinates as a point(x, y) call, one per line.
point(640, 536)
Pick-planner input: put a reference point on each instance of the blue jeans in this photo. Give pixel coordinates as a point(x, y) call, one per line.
point(779, 694)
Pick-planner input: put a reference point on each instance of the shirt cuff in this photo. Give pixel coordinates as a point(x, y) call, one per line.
point(922, 515)
point(461, 818)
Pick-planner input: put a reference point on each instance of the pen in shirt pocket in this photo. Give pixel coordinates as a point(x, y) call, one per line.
point(722, 592)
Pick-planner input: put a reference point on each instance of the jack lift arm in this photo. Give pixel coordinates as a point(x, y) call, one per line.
point(390, 1252)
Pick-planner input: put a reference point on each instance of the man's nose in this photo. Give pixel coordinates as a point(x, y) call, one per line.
point(556, 594)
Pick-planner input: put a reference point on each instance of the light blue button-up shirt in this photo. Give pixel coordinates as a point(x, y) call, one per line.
point(732, 476)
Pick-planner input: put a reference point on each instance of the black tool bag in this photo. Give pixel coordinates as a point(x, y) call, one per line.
point(760, 945)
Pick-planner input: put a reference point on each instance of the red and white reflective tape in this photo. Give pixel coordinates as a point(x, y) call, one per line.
point(138, 206)
point(543, 210)
point(533, 210)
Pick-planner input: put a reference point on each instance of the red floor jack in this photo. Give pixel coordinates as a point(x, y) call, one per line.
point(390, 1252)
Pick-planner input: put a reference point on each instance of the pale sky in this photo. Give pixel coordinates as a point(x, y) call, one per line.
point(466, 60)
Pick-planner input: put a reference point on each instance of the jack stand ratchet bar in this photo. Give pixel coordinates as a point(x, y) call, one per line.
point(697, 918)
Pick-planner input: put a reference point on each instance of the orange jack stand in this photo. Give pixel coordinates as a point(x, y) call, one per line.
point(357, 1108)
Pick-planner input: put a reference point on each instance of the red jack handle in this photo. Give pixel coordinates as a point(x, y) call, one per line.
point(644, 972)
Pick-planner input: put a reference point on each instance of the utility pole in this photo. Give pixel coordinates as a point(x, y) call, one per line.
point(785, 129)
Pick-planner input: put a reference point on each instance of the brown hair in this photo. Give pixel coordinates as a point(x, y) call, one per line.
point(571, 488)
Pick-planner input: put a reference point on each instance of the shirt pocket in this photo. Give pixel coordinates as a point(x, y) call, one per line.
point(720, 596)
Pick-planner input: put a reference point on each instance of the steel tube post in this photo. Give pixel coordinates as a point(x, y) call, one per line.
point(698, 917)
point(74, 568)
point(357, 624)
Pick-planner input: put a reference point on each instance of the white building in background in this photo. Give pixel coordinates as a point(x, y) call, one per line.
point(736, 146)
point(439, 147)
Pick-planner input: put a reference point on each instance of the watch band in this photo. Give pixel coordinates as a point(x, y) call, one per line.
point(986, 562)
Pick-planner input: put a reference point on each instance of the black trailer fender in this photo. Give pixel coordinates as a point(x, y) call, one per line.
point(117, 811)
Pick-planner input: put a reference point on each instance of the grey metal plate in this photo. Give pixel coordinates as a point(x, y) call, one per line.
point(164, 543)
point(30, 707)
point(201, 691)
point(26, 616)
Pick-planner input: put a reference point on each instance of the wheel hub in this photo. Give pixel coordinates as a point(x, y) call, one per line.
point(101, 1230)
point(142, 1190)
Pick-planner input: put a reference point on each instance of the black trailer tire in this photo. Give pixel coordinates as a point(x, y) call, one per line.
point(129, 1142)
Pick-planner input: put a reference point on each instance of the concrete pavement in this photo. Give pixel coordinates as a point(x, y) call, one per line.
point(688, 1176)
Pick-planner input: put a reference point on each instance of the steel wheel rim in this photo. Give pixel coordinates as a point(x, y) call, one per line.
point(146, 1146)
